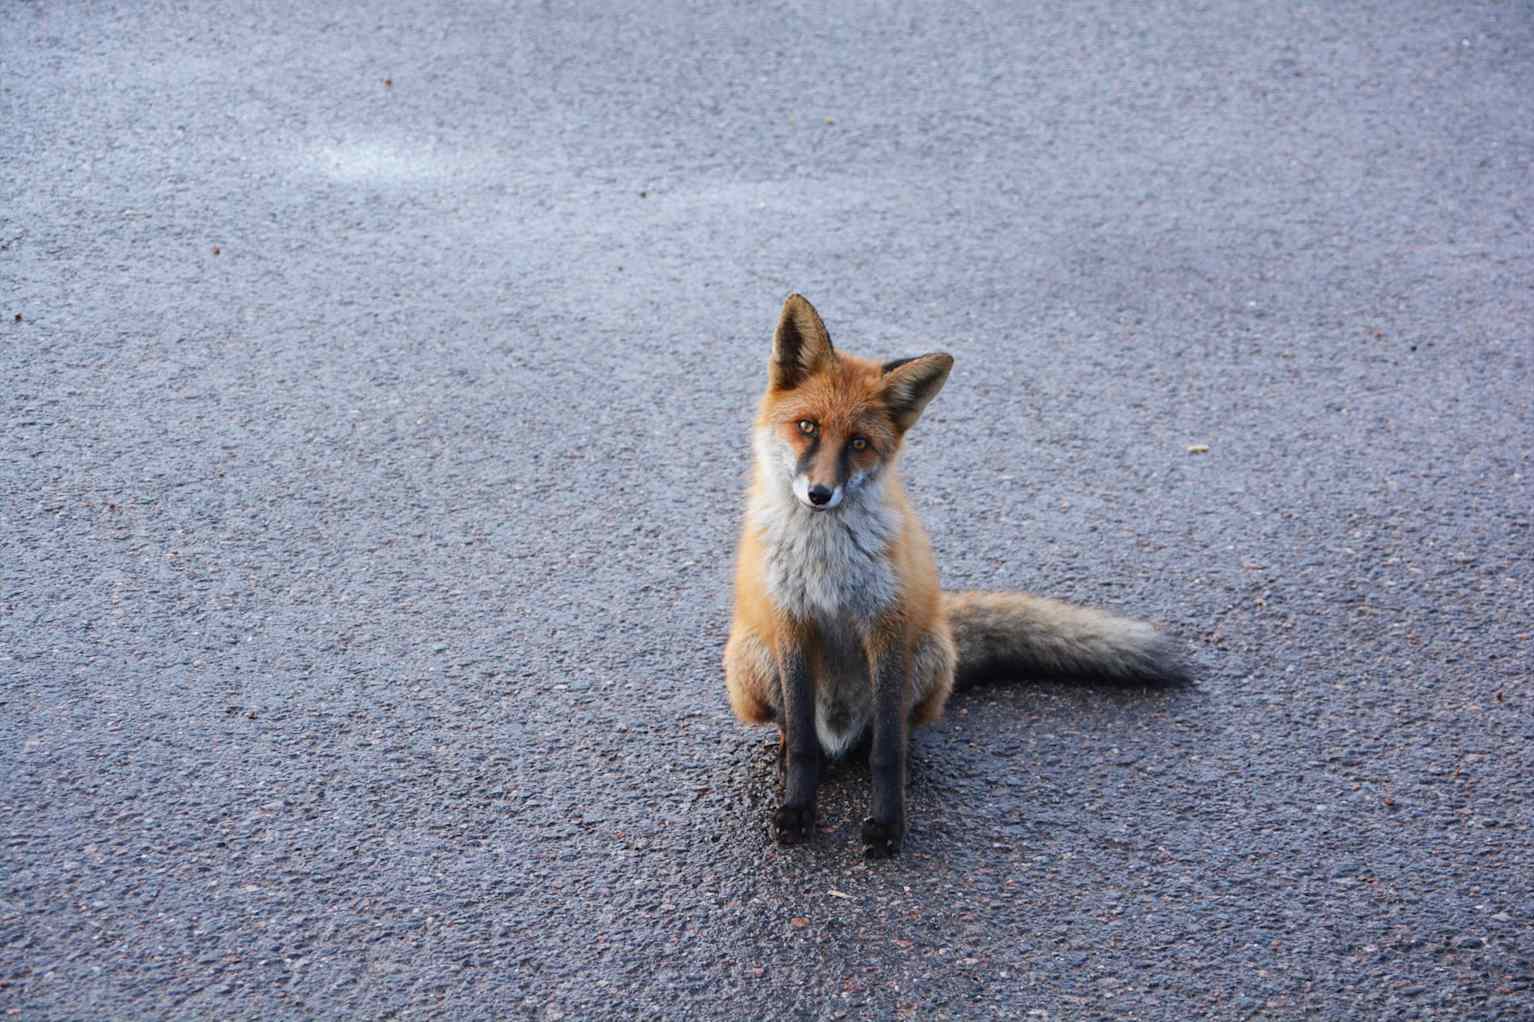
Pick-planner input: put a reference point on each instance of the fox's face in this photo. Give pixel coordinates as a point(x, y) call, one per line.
point(831, 422)
point(831, 453)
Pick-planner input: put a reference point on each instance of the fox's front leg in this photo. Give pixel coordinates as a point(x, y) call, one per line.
point(795, 819)
point(889, 670)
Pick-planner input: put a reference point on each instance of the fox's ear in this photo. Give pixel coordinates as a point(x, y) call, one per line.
point(910, 383)
point(800, 344)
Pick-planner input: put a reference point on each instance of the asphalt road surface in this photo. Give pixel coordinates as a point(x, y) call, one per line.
point(375, 382)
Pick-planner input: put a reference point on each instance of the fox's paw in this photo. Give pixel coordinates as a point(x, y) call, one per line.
point(881, 838)
point(792, 825)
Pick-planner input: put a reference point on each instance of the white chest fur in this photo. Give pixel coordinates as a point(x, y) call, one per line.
point(827, 566)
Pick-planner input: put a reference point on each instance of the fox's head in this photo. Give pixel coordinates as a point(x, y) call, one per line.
point(830, 422)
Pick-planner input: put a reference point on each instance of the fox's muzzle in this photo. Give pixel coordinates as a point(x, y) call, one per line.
point(821, 475)
point(817, 496)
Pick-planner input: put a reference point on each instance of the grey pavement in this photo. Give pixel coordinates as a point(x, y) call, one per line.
point(374, 391)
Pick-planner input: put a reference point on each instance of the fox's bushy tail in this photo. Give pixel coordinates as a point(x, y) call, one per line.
point(1017, 635)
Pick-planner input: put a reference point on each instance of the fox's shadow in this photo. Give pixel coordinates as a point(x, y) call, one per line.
point(987, 721)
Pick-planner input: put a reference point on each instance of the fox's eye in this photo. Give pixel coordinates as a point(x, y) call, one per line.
point(858, 443)
point(806, 427)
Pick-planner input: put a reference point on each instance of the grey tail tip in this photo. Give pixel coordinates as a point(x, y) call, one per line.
point(1159, 663)
point(1165, 664)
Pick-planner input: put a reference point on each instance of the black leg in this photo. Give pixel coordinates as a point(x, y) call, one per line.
point(885, 826)
point(795, 819)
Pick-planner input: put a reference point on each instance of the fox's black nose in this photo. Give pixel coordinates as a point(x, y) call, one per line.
point(820, 496)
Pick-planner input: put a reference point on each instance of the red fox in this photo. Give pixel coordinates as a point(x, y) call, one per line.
point(840, 630)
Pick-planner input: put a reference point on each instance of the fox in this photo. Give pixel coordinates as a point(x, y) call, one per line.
point(841, 633)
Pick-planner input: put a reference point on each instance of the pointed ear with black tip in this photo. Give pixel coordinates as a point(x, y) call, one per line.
point(910, 383)
point(800, 344)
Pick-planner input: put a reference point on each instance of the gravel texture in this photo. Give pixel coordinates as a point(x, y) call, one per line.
point(374, 384)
